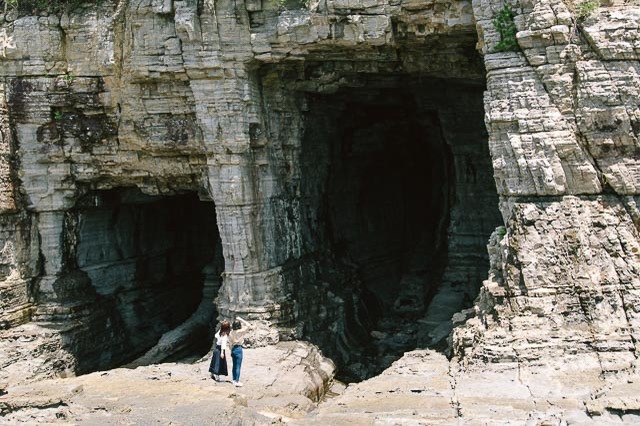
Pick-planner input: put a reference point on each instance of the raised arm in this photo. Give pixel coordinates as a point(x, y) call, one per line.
point(244, 322)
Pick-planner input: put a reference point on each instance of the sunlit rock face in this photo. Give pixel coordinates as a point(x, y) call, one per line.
point(357, 154)
point(564, 272)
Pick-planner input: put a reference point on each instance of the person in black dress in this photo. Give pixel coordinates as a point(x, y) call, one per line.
point(218, 366)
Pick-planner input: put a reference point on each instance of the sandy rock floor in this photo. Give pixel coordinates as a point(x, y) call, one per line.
point(279, 384)
point(283, 383)
point(424, 388)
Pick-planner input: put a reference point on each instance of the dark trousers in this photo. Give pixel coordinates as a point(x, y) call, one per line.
point(236, 356)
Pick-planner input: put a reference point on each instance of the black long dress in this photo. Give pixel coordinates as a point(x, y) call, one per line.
point(218, 364)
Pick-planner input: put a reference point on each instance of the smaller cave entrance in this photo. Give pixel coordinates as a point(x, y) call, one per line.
point(154, 266)
point(401, 201)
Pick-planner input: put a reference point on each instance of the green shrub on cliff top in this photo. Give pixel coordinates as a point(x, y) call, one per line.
point(9, 4)
point(504, 25)
point(587, 8)
point(52, 6)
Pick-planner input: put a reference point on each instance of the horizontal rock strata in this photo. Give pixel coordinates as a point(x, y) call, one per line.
point(259, 110)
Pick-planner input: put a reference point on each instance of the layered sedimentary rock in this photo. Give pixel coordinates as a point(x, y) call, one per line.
point(561, 301)
point(564, 275)
point(342, 145)
point(355, 184)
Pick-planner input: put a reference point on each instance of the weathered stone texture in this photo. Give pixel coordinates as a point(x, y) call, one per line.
point(7, 156)
point(560, 311)
point(423, 388)
point(213, 98)
point(561, 121)
point(19, 265)
point(565, 112)
point(283, 381)
point(614, 34)
point(565, 276)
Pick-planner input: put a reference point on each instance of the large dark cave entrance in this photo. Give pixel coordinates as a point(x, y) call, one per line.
point(387, 195)
point(398, 182)
point(154, 264)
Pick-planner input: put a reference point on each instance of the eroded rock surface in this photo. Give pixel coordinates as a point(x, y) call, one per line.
point(307, 127)
point(280, 382)
point(288, 119)
point(423, 387)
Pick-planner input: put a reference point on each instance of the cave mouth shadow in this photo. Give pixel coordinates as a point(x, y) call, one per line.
point(147, 269)
point(398, 178)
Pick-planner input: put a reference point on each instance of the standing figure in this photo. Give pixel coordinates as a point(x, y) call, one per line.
point(218, 366)
point(236, 340)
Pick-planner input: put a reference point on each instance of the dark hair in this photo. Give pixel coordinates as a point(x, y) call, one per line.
point(237, 325)
point(225, 327)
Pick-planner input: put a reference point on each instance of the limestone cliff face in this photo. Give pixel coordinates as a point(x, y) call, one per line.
point(330, 163)
point(564, 140)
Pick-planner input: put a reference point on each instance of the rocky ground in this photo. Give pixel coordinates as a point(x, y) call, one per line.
point(423, 388)
point(283, 383)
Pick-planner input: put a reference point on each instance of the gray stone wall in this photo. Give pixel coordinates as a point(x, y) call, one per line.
point(174, 96)
point(564, 283)
point(169, 97)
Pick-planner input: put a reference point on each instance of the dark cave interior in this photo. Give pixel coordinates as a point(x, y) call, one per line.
point(150, 260)
point(398, 177)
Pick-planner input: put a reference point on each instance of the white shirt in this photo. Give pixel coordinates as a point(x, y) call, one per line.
point(222, 340)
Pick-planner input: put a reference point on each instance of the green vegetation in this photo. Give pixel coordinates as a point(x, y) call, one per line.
point(51, 6)
point(501, 231)
point(57, 116)
point(587, 8)
point(503, 23)
point(10, 4)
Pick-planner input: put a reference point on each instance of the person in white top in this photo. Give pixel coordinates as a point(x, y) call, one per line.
point(236, 340)
point(218, 366)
